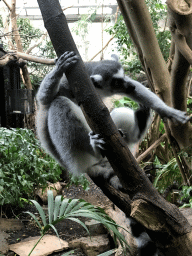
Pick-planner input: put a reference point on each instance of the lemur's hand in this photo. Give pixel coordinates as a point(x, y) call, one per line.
point(65, 61)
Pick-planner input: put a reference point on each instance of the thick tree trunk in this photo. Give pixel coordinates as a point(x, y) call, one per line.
point(169, 224)
point(137, 14)
point(180, 22)
point(139, 25)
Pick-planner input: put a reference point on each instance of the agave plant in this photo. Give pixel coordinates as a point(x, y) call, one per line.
point(60, 209)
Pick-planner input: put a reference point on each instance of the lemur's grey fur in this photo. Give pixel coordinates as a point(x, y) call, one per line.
point(63, 130)
point(61, 126)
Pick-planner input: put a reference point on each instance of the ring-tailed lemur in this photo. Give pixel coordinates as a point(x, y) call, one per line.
point(62, 128)
point(145, 246)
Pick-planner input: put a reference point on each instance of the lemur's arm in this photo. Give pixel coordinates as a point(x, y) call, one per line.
point(50, 84)
point(149, 99)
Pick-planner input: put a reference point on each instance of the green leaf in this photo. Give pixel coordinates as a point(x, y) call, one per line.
point(63, 207)
point(40, 210)
point(34, 217)
point(107, 253)
point(54, 229)
point(68, 253)
point(50, 205)
point(79, 222)
point(71, 205)
point(57, 206)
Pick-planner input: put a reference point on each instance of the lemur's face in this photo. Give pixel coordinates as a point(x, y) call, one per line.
point(109, 76)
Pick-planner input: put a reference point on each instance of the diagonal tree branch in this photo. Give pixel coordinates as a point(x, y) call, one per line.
point(8, 6)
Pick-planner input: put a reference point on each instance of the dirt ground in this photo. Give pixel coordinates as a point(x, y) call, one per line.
point(67, 229)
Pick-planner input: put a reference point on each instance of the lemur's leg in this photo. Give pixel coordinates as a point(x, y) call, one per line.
point(143, 120)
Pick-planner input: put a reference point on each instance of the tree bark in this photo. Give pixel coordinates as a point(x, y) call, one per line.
point(172, 225)
point(149, 53)
point(180, 22)
point(139, 25)
point(25, 73)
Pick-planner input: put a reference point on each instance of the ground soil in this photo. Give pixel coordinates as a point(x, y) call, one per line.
point(67, 229)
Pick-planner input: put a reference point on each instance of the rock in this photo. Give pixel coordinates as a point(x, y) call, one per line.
point(4, 247)
point(91, 246)
point(7, 225)
point(95, 228)
point(187, 212)
point(42, 194)
point(10, 224)
point(46, 246)
point(120, 218)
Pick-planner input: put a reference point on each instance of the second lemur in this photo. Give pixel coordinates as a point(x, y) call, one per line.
point(62, 127)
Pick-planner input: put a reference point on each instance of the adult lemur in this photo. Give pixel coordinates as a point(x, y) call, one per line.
point(62, 127)
point(63, 130)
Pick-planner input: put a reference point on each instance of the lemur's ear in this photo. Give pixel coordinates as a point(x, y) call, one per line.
point(114, 57)
point(97, 80)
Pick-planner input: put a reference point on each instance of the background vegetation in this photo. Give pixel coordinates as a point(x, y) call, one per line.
point(23, 164)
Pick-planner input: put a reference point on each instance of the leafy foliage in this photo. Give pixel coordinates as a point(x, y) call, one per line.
point(23, 166)
point(60, 209)
point(37, 70)
point(79, 180)
point(27, 32)
point(189, 106)
point(186, 193)
point(166, 174)
point(125, 102)
point(81, 29)
point(124, 42)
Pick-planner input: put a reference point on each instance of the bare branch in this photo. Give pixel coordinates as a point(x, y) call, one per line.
point(35, 59)
point(36, 44)
point(116, 17)
point(180, 42)
point(102, 48)
point(67, 7)
point(181, 7)
point(8, 6)
point(152, 147)
point(4, 60)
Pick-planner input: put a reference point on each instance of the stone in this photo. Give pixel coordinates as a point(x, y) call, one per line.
point(10, 224)
point(42, 194)
point(7, 225)
point(4, 247)
point(92, 246)
point(47, 245)
point(95, 228)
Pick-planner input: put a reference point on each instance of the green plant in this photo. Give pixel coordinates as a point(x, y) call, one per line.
point(125, 102)
point(81, 29)
point(60, 209)
point(166, 174)
point(27, 32)
point(23, 166)
point(68, 253)
point(189, 105)
point(79, 180)
point(125, 46)
point(102, 254)
point(186, 194)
